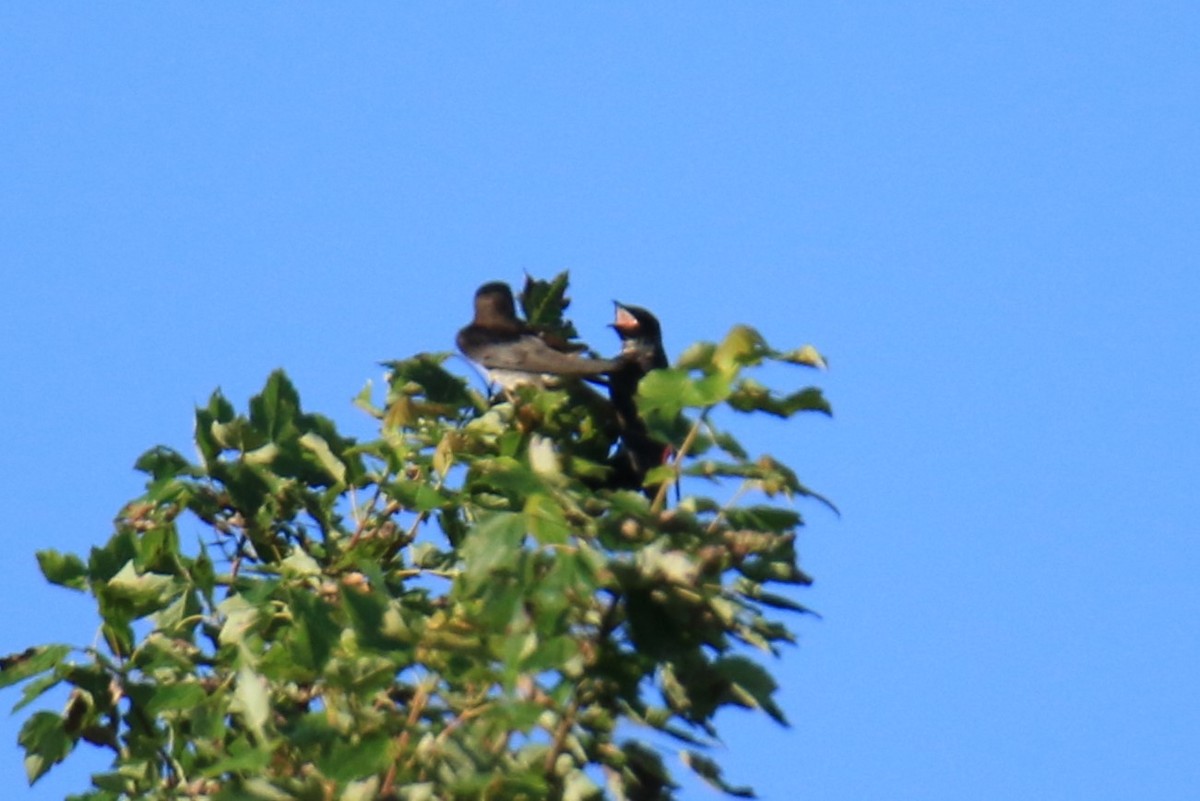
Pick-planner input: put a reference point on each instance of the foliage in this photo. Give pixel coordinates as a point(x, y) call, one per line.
point(456, 609)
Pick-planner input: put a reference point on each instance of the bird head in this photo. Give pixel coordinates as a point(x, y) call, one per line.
point(641, 335)
point(634, 322)
point(494, 300)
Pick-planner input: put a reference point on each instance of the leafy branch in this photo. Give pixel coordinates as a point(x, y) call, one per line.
point(482, 626)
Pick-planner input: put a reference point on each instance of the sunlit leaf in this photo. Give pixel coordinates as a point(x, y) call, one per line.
point(741, 346)
point(578, 787)
point(363, 401)
point(806, 355)
point(143, 592)
point(543, 458)
point(66, 570)
point(320, 448)
point(254, 703)
point(665, 393)
point(697, 357)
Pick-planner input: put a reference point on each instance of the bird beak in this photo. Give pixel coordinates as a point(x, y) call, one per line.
point(624, 321)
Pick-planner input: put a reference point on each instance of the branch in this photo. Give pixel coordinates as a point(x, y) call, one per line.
point(420, 699)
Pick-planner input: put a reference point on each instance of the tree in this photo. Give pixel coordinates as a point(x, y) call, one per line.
point(458, 609)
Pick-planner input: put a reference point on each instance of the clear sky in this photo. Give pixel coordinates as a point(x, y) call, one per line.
point(984, 214)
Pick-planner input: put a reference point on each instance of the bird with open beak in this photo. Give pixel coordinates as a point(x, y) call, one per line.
point(641, 351)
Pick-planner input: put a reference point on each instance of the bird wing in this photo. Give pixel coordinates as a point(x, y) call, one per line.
point(527, 353)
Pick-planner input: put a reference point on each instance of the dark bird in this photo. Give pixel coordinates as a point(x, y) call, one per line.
point(641, 337)
point(513, 352)
point(641, 351)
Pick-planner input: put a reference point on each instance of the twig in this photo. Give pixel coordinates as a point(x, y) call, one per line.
point(422, 571)
point(420, 699)
point(362, 523)
point(469, 714)
point(565, 724)
point(661, 497)
point(742, 490)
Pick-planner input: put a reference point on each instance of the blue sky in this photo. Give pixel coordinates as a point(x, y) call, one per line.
point(984, 214)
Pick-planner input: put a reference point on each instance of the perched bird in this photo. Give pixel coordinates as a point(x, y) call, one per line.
point(641, 337)
point(514, 353)
point(641, 351)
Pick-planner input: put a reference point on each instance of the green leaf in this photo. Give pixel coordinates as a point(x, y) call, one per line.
point(418, 496)
point(755, 684)
point(425, 791)
point(578, 787)
point(754, 592)
point(656, 563)
point(241, 618)
point(363, 401)
point(367, 611)
point(504, 476)
point(741, 346)
point(36, 689)
point(729, 444)
point(218, 412)
point(809, 399)
point(544, 519)
point(46, 743)
point(65, 570)
point(424, 376)
point(543, 303)
point(240, 758)
point(203, 574)
point(273, 412)
point(253, 702)
point(261, 789)
point(751, 396)
point(357, 758)
point(806, 355)
point(646, 769)
point(710, 771)
point(555, 653)
point(330, 463)
point(16, 668)
point(300, 564)
point(316, 633)
point(106, 562)
point(543, 458)
point(162, 462)
point(174, 697)
point(697, 357)
point(144, 593)
point(762, 518)
point(180, 616)
point(443, 454)
point(492, 546)
point(665, 393)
